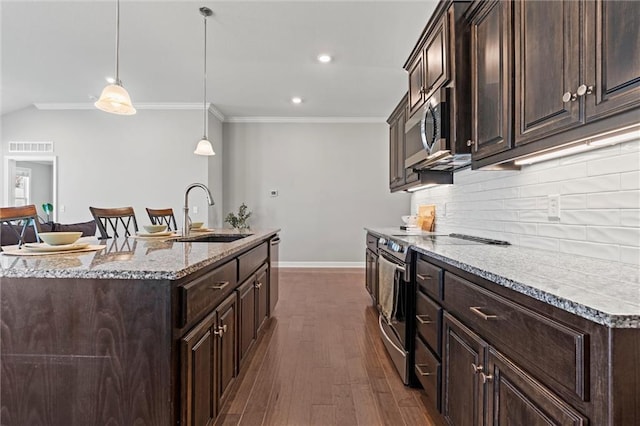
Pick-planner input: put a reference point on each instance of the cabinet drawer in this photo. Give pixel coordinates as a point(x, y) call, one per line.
point(548, 349)
point(429, 278)
point(427, 369)
point(249, 262)
point(428, 321)
point(372, 243)
point(203, 294)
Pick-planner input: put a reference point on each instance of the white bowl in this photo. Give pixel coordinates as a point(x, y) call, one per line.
point(196, 225)
point(59, 238)
point(154, 228)
point(410, 220)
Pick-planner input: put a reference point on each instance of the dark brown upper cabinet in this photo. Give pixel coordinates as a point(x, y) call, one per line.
point(547, 68)
point(491, 85)
point(428, 67)
point(612, 57)
point(397, 174)
point(548, 73)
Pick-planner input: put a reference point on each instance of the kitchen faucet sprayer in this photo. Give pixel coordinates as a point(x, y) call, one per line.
point(185, 219)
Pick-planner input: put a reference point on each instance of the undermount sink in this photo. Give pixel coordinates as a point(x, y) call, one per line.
point(214, 238)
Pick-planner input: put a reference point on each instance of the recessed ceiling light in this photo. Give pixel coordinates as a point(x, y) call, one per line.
point(324, 58)
point(110, 80)
point(296, 100)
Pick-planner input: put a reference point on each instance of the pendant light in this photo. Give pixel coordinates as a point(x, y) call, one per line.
point(204, 146)
point(114, 97)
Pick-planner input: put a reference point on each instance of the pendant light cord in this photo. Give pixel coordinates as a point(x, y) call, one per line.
point(118, 43)
point(204, 102)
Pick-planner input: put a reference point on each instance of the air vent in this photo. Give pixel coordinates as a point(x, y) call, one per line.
point(31, 147)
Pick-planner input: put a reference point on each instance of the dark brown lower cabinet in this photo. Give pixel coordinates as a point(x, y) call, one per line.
point(515, 398)
point(262, 297)
point(371, 274)
point(247, 304)
point(227, 360)
point(198, 352)
point(464, 355)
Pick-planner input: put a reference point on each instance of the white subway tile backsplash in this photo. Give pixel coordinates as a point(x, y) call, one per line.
point(604, 217)
point(599, 200)
point(630, 180)
point(630, 218)
point(620, 163)
point(630, 255)
point(591, 184)
point(565, 232)
point(582, 248)
point(620, 199)
point(622, 236)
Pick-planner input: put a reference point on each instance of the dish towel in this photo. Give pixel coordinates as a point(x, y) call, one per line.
point(386, 282)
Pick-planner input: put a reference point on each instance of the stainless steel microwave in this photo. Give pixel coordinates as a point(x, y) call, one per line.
point(427, 136)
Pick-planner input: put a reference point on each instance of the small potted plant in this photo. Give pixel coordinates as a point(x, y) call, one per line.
point(239, 222)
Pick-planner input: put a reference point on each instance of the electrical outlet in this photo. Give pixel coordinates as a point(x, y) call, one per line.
point(273, 192)
point(195, 209)
point(63, 208)
point(553, 207)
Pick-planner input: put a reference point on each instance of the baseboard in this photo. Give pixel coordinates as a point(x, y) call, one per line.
point(321, 264)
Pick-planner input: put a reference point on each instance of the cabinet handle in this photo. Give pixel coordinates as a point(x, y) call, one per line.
point(424, 277)
point(584, 90)
point(421, 371)
point(221, 329)
point(219, 285)
point(569, 97)
point(477, 310)
point(486, 377)
point(428, 319)
point(476, 368)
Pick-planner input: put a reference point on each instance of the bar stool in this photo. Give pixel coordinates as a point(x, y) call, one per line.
point(163, 217)
point(121, 217)
point(18, 220)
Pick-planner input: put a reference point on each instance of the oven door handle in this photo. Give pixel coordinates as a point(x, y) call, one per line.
point(399, 268)
point(386, 336)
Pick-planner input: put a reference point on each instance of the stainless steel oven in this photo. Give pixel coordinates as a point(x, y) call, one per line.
point(395, 331)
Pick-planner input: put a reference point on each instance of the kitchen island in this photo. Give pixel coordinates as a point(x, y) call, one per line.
point(144, 332)
point(511, 335)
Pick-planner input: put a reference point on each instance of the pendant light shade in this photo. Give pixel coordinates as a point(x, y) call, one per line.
point(115, 98)
point(204, 146)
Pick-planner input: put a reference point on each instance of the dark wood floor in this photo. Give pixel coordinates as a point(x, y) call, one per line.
point(321, 360)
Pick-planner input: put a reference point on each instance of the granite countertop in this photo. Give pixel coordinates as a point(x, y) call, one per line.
point(132, 258)
point(602, 291)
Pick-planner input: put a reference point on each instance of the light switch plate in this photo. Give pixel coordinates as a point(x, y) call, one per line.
point(553, 207)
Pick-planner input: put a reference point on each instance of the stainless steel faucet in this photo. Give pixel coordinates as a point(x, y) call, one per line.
point(185, 209)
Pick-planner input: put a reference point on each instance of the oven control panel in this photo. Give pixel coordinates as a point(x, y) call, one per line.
point(391, 245)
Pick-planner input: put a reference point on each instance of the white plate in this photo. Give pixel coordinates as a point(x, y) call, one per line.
point(201, 230)
point(44, 247)
point(154, 234)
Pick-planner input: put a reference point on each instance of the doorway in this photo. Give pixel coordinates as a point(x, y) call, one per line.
point(31, 180)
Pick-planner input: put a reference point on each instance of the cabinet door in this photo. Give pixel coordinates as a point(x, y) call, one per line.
point(416, 84)
point(227, 360)
point(547, 65)
point(613, 57)
point(515, 398)
point(247, 325)
point(262, 297)
point(491, 73)
point(463, 358)
point(371, 277)
point(393, 155)
point(198, 375)
point(435, 54)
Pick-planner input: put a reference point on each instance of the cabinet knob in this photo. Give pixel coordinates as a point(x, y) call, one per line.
point(486, 377)
point(476, 368)
point(569, 97)
point(469, 142)
point(584, 90)
point(258, 284)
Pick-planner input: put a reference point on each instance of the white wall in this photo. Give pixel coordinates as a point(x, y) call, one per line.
point(332, 180)
point(599, 198)
point(105, 160)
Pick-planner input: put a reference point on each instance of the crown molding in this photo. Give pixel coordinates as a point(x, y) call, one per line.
point(306, 120)
point(138, 105)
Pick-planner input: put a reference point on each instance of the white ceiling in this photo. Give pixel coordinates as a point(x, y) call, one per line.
point(260, 54)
